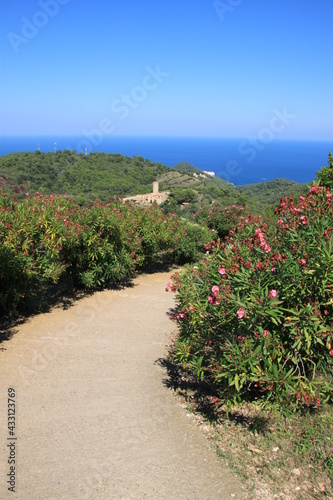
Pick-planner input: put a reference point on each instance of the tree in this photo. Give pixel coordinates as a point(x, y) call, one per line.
point(181, 195)
point(325, 175)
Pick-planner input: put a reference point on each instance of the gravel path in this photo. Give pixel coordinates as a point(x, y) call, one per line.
point(93, 417)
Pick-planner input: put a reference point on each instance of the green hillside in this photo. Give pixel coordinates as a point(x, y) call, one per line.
point(96, 175)
point(103, 176)
point(186, 167)
point(268, 194)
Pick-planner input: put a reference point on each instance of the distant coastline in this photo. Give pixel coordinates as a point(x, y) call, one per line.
point(228, 158)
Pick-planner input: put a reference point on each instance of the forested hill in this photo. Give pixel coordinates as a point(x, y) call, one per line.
point(97, 175)
point(103, 176)
point(186, 167)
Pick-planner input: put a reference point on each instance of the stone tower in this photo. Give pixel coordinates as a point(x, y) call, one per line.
point(155, 187)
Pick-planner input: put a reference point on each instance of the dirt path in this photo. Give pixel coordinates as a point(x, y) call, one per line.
point(93, 417)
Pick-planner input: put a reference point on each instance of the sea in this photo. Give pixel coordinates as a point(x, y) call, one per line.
point(239, 161)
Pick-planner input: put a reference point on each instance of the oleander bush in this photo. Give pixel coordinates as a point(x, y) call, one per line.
point(47, 239)
point(255, 314)
point(218, 219)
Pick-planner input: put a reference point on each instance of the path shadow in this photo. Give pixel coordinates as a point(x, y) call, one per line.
point(201, 398)
point(159, 265)
point(172, 312)
point(60, 296)
point(54, 296)
point(190, 388)
point(8, 328)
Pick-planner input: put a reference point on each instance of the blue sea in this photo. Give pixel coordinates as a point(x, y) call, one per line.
point(236, 160)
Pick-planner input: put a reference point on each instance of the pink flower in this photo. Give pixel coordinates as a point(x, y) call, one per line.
point(302, 198)
point(267, 248)
point(272, 293)
point(215, 290)
point(240, 313)
point(315, 189)
point(230, 357)
point(210, 300)
point(331, 352)
point(280, 221)
point(191, 308)
point(222, 270)
point(272, 269)
point(266, 332)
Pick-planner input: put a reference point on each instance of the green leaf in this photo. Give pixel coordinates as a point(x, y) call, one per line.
point(237, 382)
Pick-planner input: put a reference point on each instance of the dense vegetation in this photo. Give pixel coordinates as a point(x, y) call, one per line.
point(255, 315)
point(47, 239)
point(325, 174)
point(86, 177)
point(103, 176)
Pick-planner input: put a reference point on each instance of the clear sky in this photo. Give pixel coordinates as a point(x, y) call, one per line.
point(167, 67)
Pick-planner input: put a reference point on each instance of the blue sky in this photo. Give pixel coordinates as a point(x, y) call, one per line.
point(167, 68)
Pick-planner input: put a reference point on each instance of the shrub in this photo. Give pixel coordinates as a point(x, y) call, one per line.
point(218, 219)
point(325, 175)
point(45, 239)
point(255, 315)
point(190, 243)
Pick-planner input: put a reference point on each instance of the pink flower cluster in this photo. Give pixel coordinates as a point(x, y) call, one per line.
point(181, 316)
point(259, 234)
point(170, 287)
point(214, 300)
point(315, 189)
point(327, 233)
point(241, 313)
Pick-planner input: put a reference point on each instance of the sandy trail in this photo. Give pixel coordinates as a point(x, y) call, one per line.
point(93, 417)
